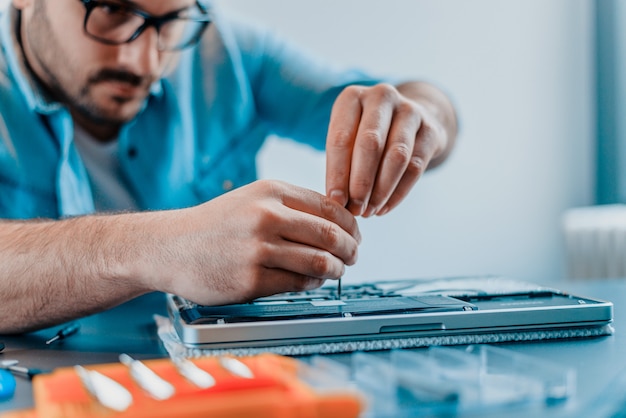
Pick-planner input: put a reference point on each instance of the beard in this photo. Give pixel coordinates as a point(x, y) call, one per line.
point(64, 81)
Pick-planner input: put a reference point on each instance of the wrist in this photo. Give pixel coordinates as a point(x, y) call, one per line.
point(120, 247)
point(438, 114)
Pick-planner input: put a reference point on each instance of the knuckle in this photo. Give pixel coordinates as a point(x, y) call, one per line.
point(264, 218)
point(330, 234)
point(427, 130)
point(416, 167)
point(399, 153)
point(329, 208)
point(321, 265)
point(431, 137)
point(385, 91)
point(352, 92)
point(371, 140)
point(354, 255)
point(351, 255)
point(265, 213)
point(407, 108)
point(430, 132)
point(265, 188)
point(262, 252)
point(274, 188)
point(264, 184)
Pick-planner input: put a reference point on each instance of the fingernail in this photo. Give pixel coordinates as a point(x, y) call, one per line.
point(369, 211)
point(382, 211)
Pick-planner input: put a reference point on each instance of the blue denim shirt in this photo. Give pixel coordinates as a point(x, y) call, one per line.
point(196, 137)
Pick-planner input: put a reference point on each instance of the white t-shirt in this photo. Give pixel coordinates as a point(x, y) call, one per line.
point(110, 190)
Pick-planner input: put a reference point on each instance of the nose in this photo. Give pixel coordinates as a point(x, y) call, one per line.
point(142, 55)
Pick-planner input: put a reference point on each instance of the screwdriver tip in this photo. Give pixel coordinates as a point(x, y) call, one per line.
point(339, 288)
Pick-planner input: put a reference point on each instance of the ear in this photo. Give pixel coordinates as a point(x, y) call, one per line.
point(21, 4)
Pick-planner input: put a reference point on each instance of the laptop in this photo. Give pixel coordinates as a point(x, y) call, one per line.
point(392, 314)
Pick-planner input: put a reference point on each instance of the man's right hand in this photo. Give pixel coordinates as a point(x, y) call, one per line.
point(264, 238)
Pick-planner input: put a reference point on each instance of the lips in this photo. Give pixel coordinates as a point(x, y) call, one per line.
point(123, 89)
point(120, 83)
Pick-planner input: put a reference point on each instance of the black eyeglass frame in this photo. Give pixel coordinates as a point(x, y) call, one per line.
point(149, 20)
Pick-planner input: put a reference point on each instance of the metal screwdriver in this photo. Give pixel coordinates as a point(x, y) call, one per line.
point(339, 288)
point(64, 332)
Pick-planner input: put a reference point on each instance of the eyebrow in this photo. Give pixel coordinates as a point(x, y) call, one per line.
point(135, 6)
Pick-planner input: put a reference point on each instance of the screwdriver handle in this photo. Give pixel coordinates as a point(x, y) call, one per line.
point(25, 371)
point(65, 332)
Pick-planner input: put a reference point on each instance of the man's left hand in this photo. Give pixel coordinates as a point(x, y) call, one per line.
point(380, 141)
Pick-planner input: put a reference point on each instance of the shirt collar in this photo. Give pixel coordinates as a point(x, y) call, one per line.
point(31, 89)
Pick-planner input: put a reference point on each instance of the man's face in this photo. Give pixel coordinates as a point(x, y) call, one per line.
point(103, 83)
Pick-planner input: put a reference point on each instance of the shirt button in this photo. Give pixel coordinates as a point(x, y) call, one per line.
point(132, 152)
point(227, 185)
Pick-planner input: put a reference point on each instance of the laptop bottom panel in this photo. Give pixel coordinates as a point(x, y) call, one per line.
point(409, 313)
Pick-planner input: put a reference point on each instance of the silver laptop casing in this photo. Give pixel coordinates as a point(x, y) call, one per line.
point(502, 306)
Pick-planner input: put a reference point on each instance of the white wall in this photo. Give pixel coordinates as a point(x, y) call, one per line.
point(521, 75)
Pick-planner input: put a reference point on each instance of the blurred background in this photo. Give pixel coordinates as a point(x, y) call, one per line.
point(522, 74)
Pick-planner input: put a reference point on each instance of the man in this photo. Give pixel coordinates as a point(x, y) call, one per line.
point(140, 115)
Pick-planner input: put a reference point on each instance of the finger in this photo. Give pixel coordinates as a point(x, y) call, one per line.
point(313, 231)
point(395, 160)
point(303, 260)
point(402, 190)
point(284, 281)
point(276, 280)
point(369, 146)
point(342, 130)
point(313, 203)
point(422, 154)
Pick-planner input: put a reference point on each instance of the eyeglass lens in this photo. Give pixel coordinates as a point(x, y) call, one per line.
point(116, 23)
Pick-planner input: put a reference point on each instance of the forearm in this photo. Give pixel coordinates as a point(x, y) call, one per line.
point(53, 271)
point(440, 107)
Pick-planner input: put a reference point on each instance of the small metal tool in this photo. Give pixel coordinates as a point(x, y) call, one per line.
point(151, 382)
point(65, 332)
point(29, 373)
point(339, 288)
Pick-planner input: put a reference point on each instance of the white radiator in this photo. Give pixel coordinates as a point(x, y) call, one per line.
point(595, 240)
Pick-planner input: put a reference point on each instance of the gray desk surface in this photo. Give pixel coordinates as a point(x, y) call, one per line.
point(130, 328)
